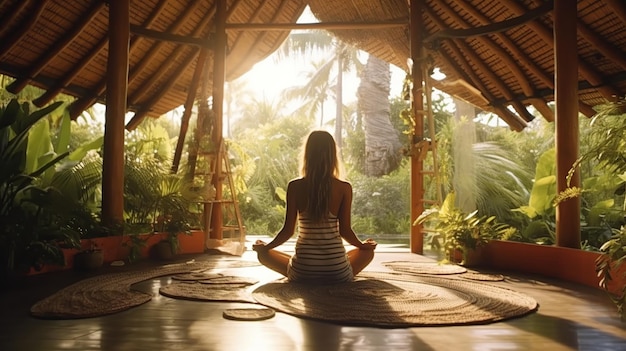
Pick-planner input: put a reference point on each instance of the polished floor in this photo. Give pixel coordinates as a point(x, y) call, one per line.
point(570, 317)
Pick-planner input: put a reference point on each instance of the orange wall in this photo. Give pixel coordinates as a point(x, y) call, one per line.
point(568, 264)
point(117, 248)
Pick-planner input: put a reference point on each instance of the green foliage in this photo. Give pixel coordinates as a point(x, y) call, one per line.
point(34, 220)
point(540, 222)
point(380, 205)
point(459, 230)
point(605, 157)
point(272, 159)
point(154, 199)
point(613, 257)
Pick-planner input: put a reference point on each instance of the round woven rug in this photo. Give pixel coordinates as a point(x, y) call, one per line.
point(425, 267)
point(434, 268)
point(112, 293)
point(397, 300)
point(208, 292)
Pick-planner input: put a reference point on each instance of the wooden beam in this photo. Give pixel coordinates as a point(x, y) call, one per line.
point(253, 17)
point(618, 7)
point(417, 134)
point(586, 110)
point(542, 107)
point(174, 76)
point(604, 47)
point(566, 121)
point(18, 33)
point(546, 35)
point(117, 82)
point(83, 103)
point(156, 48)
point(468, 75)
point(492, 28)
point(466, 50)
point(165, 67)
point(64, 81)
point(400, 22)
point(170, 37)
point(10, 14)
point(50, 53)
point(191, 98)
point(504, 56)
point(523, 59)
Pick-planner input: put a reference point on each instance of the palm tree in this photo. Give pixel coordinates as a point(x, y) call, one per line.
point(235, 88)
point(258, 112)
point(382, 143)
point(321, 85)
point(314, 92)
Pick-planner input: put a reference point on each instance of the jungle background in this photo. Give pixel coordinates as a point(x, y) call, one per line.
point(491, 169)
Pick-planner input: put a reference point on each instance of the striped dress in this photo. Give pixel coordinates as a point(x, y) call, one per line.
point(320, 255)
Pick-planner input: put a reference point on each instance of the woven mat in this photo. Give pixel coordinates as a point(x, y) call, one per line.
point(434, 268)
point(112, 293)
point(395, 300)
point(425, 267)
point(248, 314)
point(223, 288)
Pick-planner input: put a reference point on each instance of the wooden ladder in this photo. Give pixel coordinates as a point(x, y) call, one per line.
point(231, 228)
point(430, 145)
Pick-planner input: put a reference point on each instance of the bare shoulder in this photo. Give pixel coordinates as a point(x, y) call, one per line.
point(296, 184)
point(343, 185)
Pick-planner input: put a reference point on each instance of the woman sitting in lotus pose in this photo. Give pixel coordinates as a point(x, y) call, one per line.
point(321, 203)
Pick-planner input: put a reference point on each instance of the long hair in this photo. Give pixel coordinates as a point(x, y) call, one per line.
point(319, 166)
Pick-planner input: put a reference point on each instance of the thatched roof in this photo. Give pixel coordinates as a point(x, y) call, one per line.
point(61, 46)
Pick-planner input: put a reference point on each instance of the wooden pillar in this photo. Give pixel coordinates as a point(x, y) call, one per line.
point(566, 120)
point(219, 61)
point(417, 112)
point(117, 85)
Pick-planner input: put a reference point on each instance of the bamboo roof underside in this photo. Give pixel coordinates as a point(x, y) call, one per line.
point(496, 55)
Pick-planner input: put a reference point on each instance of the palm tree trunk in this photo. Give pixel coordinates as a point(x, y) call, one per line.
point(382, 143)
point(339, 96)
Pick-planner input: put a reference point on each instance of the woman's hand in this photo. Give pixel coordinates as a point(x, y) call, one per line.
point(260, 245)
point(369, 244)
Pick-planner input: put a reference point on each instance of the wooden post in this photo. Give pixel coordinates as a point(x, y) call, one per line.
point(117, 86)
point(219, 60)
point(566, 120)
point(191, 97)
point(417, 112)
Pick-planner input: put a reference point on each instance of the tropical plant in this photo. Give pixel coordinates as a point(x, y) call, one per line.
point(607, 152)
point(612, 258)
point(321, 85)
point(155, 200)
point(271, 161)
point(380, 203)
point(34, 220)
point(460, 231)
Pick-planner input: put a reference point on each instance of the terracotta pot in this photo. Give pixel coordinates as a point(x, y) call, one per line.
point(163, 251)
point(88, 260)
point(474, 258)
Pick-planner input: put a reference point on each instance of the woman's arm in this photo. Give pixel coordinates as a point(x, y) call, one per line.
point(345, 221)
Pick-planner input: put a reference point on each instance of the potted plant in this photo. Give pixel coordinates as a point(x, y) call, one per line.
point(89, 259)
point(607, 153)
point(173, 225)
point(607, 265)
point(34, 220)
point(458, 233)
